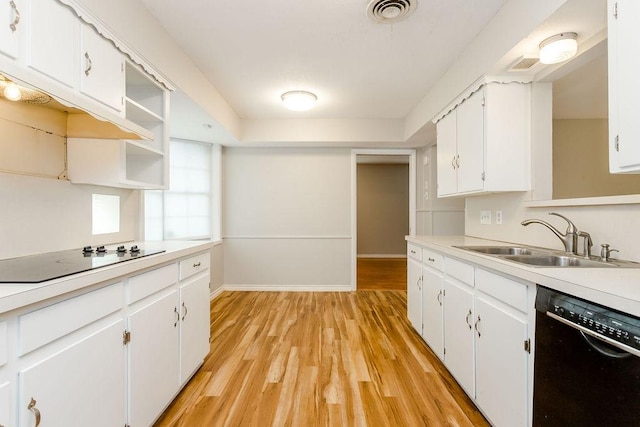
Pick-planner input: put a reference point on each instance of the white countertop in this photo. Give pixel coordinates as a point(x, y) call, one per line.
point(618, 288)
point(13, 296)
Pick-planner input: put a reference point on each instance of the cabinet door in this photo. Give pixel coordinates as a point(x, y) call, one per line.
point(501, 365)
point(5, 404)
point(54, 41)
point(458, 333)
point(153, 358)
point(11, 27)
point(102, 71)
point(470, 138)
point(414, 294)
point(194, 326)
point(624, 86)
point(432, 304)
point(446, 154)
point(82, 385)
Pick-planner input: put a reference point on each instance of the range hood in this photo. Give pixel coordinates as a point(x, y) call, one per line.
point(80, 123)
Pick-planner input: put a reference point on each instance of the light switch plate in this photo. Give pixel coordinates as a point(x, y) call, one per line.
point(485, 217)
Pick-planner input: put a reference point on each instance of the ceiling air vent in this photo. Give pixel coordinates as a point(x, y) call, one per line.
point(523, 64)
point(390, 11)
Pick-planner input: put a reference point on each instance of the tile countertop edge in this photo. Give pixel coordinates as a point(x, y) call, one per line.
point(14, 296)
point(618, 288)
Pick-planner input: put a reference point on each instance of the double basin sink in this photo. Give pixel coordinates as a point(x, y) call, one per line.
point(540, 257)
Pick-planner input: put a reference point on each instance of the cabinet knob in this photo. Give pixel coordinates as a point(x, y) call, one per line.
point(16, 16)
point(32, 407)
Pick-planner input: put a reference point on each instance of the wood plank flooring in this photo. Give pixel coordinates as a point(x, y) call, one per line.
point(318, 359)
point(374, 274)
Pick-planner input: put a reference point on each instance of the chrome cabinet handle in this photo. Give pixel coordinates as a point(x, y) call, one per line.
point(431, 259)
point(89, 64)
point(453, 162)
point(16, 16)
point(32, 407)
point(458, 160)
point(196, 265)
point(439, 297)
point(467, 319)
point(175, 310)
point(185, 310)
point(418, 283)
point(475, 325)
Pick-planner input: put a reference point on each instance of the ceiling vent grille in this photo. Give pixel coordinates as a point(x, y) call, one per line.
point(523, 64)
point(390, 11)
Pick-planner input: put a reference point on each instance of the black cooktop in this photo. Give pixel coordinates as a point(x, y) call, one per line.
point(52, 265)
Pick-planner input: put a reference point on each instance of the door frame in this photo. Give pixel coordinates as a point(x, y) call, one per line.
point(411, 153)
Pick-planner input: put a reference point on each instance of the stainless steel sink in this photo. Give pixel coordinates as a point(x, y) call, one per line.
point(499, 250)
point(541, 257)
point(557, 261)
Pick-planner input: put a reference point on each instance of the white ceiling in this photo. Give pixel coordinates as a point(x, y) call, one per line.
point(252, 51)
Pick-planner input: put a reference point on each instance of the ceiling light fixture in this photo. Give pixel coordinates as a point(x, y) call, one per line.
point(299, 100)
point(558, 48)
point(12, 92)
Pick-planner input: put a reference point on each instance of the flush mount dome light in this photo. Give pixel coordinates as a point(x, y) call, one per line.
point(299, 100)
point(558, 48)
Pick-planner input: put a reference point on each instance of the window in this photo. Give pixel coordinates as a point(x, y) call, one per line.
point(190, 209)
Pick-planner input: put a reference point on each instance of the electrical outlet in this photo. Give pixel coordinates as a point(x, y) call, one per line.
point(485, 217)
point(498, 217)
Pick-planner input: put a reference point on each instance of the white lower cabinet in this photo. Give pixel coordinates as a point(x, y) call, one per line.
point(194, 325)
point(5, 404)
point(484, 330)
point(458, 334)
point(432, 310)
point(153, 358)
point(414, 294)
point(79, 385)
point(501, 363)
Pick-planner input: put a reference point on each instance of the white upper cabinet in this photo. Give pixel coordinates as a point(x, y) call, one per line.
point(483, 142)
point(102, 70)
point(11, 27)
point(54, 41)
point(624, 86)
point(142, 164)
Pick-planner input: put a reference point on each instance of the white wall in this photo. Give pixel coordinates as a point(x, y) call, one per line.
point(287, 218)
point(43, 215)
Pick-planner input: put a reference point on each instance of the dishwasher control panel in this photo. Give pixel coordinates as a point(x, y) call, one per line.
point(605, 322)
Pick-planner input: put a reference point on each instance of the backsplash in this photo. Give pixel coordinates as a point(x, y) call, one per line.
point(617, 225)
point(43, 215)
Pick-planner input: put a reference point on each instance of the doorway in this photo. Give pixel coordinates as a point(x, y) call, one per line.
point(383, 213)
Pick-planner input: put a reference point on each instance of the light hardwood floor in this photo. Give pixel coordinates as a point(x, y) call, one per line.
point(375, 274)
point(318, 359)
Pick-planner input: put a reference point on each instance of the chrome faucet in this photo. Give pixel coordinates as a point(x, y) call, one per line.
point(569, 238)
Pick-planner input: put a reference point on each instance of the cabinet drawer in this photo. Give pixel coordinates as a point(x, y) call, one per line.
point(193, 265)
point(459, 270)
point(414, 252)
point(55, 321)
point(3, 343)
point(506, 290)
point(432, 259)
point(148, 283)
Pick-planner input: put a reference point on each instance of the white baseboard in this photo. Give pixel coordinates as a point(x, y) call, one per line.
point(216, 293)
point(288, 288)
point(382, 255)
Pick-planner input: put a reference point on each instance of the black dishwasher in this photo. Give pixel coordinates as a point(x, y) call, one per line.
point(587, 363)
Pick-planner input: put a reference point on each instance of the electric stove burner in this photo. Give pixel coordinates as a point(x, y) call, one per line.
point(52, 265)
